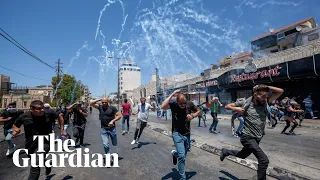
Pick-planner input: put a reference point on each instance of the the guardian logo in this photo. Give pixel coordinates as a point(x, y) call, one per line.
point(56, 158)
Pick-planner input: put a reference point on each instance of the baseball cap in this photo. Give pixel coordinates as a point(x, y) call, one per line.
point(46, 105)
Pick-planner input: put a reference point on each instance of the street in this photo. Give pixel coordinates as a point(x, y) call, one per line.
point(150, 160)
point(299, 153)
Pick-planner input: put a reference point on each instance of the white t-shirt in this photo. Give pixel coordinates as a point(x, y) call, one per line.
point(144, 111)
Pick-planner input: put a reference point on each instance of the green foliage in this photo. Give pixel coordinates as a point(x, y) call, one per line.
point(66, 88)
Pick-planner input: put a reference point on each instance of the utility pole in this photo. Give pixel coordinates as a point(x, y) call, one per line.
point(118, 84)
point(59, 71)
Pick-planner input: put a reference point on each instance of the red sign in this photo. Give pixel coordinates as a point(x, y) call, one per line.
point(212, 83)
point(255, 75)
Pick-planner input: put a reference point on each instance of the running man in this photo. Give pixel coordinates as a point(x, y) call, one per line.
point(289, 116)
point(79, 122)
point(126, 111)
point(108, 116)
point(254, 111)
point(183, 112)
point(143, 115)
point(214, 107)
point(36, 122)
point(8, 117)
point(308, 106)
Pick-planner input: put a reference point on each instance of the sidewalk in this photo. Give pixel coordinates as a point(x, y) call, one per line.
point(290, 156)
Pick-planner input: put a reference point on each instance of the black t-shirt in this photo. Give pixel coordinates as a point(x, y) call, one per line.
point(51, 115)
point(66, 115)
point(180, 123)
point(35, 125)
point(79, 119)
point(107, 115)
point(14, 114)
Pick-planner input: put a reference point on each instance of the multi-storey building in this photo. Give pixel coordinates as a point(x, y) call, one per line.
point(300, 33)
point(129, 76)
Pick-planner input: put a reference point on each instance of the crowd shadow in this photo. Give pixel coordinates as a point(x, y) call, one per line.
point(143, 144)
point(175, 175)
point(232, 177)
point(67, 177)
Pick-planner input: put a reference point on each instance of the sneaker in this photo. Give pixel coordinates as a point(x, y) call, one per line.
point(282, 132)
point(292, 133)
point(123, 132)
point(315, 118)
point(133, 142)
point(174, 159)
point(11, 151)
point(223, 154)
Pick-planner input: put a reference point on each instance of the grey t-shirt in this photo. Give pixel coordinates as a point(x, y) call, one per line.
point(144, 111)
point(254, 119)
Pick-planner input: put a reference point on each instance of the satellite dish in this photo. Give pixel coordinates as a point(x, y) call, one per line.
point(299, 28)
point(271, 30)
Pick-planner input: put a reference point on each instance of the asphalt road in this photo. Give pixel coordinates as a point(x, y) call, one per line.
point(149, 160)
point(298, 153)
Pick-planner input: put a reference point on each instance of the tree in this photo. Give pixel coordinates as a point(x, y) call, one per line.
point(68, 89)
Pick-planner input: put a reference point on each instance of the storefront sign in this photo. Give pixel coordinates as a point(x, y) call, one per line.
point(212, 83)
point(200, 85)
point(255, 75)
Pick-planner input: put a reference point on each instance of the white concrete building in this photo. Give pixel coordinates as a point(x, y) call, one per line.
point(129, 77)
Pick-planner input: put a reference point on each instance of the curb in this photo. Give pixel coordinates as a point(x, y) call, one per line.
point(275, 172)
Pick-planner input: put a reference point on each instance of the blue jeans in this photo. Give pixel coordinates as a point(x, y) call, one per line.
point(310, 111)
point(105, 134)
point(240, 127)
point(182, 144)
point(215, 121)
point(124, 118)
point(8, 137)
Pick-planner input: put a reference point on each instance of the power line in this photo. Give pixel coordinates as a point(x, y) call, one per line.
point(24, 49)
point(22, 74)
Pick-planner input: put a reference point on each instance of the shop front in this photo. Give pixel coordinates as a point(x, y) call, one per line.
point(299, 77)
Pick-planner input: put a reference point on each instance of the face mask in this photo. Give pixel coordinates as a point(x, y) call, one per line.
point(11, 109)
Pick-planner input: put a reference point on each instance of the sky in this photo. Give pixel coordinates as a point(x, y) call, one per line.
point(172, 35)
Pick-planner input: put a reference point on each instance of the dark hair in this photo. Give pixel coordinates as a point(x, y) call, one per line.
point(180, 96)
point(261, 88)
point(125, 100)
point(36, 102)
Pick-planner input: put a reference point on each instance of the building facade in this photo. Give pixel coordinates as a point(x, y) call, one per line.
point(24, 96)
point(300, 33)
point(129, 76)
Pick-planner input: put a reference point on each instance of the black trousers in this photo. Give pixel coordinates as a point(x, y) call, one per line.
point(140, 126)
point(295, 124)
point(251, 145)
point(35, 171)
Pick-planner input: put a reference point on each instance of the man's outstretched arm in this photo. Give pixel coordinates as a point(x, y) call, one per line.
point(94, 103)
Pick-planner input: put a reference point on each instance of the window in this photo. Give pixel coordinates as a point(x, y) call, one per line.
point(280, 36)
point(125, 69)
point(138, 69)
point(292, 31)
point(121, 83)
point(121, 78)
point(121, 87)
point(121, 73)
point(312, 37)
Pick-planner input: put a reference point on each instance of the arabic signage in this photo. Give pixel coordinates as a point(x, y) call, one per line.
point(255, 75)
point(207, 84)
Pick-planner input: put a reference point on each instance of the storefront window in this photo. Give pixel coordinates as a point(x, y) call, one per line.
point(244, 94)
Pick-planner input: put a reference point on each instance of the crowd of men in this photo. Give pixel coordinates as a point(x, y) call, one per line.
point(252, 112)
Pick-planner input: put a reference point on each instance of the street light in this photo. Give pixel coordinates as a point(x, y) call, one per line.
point(118, 93)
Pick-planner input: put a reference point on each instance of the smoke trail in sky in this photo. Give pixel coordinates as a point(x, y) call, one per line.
point(73, 91)
point(85, 46)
